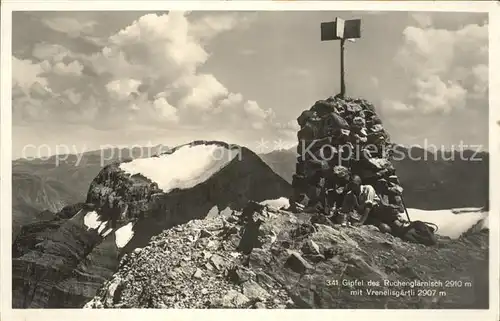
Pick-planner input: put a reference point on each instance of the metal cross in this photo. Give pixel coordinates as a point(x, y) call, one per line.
point(341, 30)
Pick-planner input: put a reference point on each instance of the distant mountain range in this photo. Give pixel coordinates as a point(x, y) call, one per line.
point(431, 181)
point(61, 260)
point(50, 184)
point(40, 187)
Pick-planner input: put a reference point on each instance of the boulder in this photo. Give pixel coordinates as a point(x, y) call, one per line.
point(297, 263)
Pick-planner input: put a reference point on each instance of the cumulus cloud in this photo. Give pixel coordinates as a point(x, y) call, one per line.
point(35, 95)
point(58, 59)
point(157, 44)
point(230, 101)
point(72, 68)
point(73, 96)
point(252, 108)
point(445, 68)
point(25, 73)
point(122, 88)
point(70, 26)
point(202, 91)
point(152, 112)
point(149, 74)
point(163, 54)
point(29, 87)
point(167, 111)
point(45, 51)
point(210, 25)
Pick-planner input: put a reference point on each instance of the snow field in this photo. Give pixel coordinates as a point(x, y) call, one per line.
point(187, 167)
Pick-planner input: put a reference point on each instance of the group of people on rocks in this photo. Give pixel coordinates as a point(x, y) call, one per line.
point(349, 202)
point(350, 143)
point(361, 204)
point(344, 170)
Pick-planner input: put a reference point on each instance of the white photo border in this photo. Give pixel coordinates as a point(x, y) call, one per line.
point(7, 313)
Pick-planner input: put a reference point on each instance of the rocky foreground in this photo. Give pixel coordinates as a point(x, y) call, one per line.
point(267, 258)
point(61, 262)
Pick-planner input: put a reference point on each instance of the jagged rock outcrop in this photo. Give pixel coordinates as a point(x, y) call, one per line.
point(267, 258)
point(49, 184)
point(62, 262)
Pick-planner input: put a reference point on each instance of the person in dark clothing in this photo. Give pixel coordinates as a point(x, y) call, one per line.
point(336, 180)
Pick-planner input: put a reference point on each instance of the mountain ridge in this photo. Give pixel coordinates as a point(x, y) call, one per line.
point(63, 259)
point(61, 262)
point(421, 181)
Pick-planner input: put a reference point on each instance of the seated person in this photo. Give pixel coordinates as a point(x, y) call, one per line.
point(360, 199)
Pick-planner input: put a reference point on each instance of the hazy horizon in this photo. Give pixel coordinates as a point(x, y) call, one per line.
point(263, 152)
point(87, 79)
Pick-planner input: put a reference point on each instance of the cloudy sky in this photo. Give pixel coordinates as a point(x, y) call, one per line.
point(92, 79)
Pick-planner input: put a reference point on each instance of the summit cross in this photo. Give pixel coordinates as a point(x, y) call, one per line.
point(341, 30)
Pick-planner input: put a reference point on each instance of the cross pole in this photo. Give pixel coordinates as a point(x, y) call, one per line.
point(341, 30)
point(342, 71)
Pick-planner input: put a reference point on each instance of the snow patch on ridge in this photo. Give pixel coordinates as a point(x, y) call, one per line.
point(102, 226)
point(278, 203)
point(449, 224)
point(107, 231)
point(188, 166)
point(124, 234)
point(92, 220)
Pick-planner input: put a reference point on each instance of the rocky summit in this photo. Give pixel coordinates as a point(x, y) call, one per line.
point(195, 228)
point(341, 137)
point(61, 261)
point(263, 257)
